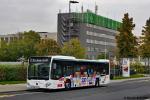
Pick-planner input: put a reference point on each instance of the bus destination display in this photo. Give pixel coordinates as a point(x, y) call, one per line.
point(39, 59)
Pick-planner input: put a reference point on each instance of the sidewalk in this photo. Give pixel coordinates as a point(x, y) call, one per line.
point(12, 87)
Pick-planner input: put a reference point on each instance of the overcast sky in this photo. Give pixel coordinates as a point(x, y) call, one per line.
point(41, 15)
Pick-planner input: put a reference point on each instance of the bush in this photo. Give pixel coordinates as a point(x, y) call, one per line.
point(147, 70)
point(138, 67)
point(13, 73)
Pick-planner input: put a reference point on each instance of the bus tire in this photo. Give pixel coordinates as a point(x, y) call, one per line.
point(68, 85)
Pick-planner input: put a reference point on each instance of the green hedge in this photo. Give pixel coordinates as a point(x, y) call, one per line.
point(138, 67)
point(132, 76)
point(13, 72)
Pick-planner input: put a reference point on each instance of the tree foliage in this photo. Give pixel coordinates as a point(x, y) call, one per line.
point(145, 47)
point(47, 47)
point(3, 51)
point(73, 48)
point(126, 41)
point(27, 44)
point(23, 46)
point(102, 56)
point(138, 67)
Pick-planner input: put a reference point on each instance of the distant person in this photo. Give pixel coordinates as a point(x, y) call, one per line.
point(97, 82)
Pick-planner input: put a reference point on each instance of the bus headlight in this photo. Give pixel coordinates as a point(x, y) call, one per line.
point(47, 84)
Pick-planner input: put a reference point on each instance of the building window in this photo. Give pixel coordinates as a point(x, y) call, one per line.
point(88, 49)
point(100, 35)
point(100, 42)
point(92, 49)
point(88, 40)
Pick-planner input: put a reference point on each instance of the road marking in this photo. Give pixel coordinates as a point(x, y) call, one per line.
point(3, 96)
point(12, 95)
point(27, 93)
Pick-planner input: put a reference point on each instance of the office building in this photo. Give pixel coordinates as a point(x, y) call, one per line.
point(96, 33)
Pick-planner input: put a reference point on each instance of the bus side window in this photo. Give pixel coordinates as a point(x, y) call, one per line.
point(68, 68)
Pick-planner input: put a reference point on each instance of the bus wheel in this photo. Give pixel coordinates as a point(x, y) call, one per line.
point(68, 85)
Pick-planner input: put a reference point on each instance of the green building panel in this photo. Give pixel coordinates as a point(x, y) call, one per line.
point(91, 18)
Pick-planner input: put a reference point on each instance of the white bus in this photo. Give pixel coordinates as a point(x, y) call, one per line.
point(57, 72)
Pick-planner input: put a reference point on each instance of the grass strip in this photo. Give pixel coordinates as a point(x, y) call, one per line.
point(132, 76)
point(11, 82)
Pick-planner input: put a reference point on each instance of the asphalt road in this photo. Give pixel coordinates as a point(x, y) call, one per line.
point(129, 90)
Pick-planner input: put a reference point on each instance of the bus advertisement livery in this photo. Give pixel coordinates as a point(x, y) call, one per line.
point(57, 72)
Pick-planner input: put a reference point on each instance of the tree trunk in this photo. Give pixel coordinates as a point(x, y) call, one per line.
point(148, 65)
point(146, 68)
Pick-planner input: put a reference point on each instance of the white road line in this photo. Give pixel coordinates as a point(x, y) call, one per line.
point(11, 95)
point(26, 93)
point(3, 96)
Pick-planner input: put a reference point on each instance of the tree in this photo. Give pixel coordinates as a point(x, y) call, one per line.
point(22, 46)
point(145, 47)
point(126, 41)
point(13, 50)
point(27, 44)
point(31, 36)
point(73, 48)
point(102, 56)
point(4, 55)
point(47, 47)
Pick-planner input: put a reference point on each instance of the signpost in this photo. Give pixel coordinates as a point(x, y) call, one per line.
point(126, 67)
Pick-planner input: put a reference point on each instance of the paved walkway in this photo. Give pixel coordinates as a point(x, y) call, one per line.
point(12, 87)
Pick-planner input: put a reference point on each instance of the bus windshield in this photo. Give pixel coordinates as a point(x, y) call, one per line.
point(38, 70)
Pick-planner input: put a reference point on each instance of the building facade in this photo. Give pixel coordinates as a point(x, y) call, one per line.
point(96, 33)
point(11, 37)
point(48, 35)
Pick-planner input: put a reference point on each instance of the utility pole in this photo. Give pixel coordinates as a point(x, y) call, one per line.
point(69, 31)
point(105, 43)
point(105, 50)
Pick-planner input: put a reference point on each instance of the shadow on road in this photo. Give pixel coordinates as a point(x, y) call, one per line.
point(61, 90)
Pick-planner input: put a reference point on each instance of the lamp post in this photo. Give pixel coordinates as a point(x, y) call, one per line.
point(105, 50)
point(105, 43)
point(73, 2)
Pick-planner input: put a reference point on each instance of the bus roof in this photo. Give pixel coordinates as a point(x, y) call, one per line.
point(99, 60)
point(73, 58)
point(61, 57)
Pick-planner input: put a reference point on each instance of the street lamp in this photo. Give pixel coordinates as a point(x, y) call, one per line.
point(73, 2)
point(70, 5)
point(105, 50)
point(104, 36)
